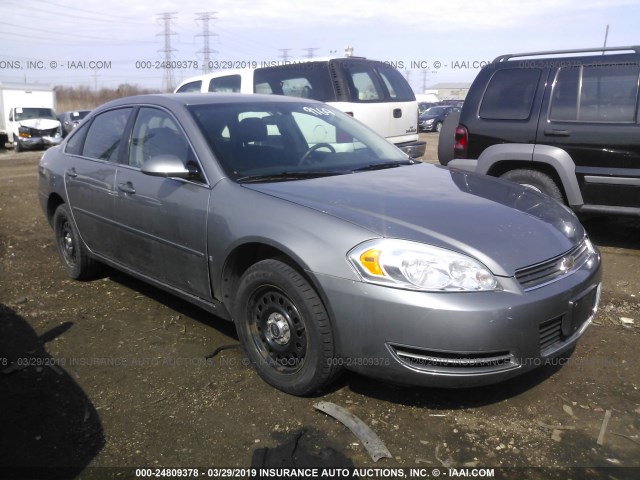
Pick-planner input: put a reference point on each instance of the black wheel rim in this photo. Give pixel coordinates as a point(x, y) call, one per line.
point(277, 330)
point(67, 244)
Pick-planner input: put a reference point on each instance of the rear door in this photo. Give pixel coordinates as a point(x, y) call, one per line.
point(591, 112)
point(92, 160)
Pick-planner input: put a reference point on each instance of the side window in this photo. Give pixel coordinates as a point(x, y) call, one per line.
point(76, 141)
point(155, 133)
point(396, 84)
point(365, 87)
point(190, 87)
point(105, 135)
point(510, 94)
point(228, 84)
point(607, 93)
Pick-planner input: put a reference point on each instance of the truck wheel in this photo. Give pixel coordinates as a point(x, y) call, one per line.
point(535, 180)
point(284, 328)
point(73, 253)
point(16, 145)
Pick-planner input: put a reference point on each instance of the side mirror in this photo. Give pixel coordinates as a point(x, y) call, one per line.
point(167, 166)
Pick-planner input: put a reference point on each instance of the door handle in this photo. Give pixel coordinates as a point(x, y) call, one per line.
point(397, 113)
point(71, 173)
point(126, 188)
point(551, 132)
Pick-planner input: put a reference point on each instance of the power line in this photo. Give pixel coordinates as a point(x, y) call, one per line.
point(168, 82)
point(206, 51)
point(285, 54)
point(310, 52)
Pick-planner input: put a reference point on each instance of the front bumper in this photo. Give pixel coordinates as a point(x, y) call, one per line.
point(450, 339)
point(413, 149)
point(427, 127)
point(37, 142)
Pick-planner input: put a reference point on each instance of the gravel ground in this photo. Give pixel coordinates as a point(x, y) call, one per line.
point(112, 373)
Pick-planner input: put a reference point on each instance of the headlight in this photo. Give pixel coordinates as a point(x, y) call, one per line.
point(24, 132)
point(417, 266)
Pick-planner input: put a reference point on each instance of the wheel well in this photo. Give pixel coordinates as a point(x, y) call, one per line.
point(500, 168)
point(242, 258)
point(52, 204)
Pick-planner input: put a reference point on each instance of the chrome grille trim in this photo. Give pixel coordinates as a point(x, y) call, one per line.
point(544, 273)
point(453, 362)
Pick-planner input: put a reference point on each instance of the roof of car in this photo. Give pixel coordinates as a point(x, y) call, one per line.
point(173, 99)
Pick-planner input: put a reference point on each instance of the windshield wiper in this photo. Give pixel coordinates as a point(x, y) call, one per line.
point(286, 176)
point(383, 165)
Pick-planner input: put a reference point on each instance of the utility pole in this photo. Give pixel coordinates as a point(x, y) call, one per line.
point(606, 34)
point(424, 80)
point(168, 81)
point(310, 52)
point(205, 18)
point(285, 54)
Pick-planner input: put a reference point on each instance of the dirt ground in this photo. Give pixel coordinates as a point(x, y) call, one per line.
point(113, 373)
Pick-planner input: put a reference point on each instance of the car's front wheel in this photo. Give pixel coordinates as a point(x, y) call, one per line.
point(535, 180)
point(72, 251)
point(284, 328)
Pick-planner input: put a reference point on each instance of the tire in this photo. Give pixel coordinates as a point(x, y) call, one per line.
point(73, 253)
point(438, 127)
point(16, 145)
point(535, 180)
point(284, 328)
point(446, 140)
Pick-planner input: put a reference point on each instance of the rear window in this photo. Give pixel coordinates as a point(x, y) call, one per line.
point(599, 93)
point(510, 94)
point(304, 80)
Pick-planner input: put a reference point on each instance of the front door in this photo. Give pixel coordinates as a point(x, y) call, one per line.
point(162, 220)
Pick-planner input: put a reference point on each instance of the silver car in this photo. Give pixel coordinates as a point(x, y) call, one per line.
point(326, 245)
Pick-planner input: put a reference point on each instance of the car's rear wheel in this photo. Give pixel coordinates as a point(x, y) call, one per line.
point(284, 328)
point(72, 251)
point(535, 180)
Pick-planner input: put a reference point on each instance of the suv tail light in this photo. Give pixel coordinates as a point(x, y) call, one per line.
point(461, 142)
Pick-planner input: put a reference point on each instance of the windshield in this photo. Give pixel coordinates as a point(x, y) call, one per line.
point(30, 113)
point(292, 140)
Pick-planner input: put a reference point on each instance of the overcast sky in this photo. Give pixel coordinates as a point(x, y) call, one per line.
point(106, 43)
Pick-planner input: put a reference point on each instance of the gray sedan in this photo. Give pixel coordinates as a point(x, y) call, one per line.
point(324, 244)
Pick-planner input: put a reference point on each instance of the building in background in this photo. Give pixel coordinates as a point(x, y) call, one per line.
point(449, 91)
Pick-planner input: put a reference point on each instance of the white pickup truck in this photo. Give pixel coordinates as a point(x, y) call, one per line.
point(27, 116)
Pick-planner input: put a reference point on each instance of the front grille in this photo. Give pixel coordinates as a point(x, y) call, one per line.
point(453, 362)
point(550, 333)
point(546, 272)
point(51, 132)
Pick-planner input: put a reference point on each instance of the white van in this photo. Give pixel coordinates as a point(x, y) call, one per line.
point(373, 92)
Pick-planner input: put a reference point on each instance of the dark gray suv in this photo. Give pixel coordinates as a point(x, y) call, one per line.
point(566, 124)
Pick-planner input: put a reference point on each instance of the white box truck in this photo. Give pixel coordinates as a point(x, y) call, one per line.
point(27, 116)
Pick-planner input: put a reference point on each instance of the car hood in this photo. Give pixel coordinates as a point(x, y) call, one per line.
point(428, 117)
point(500, 223)
point(39, 123)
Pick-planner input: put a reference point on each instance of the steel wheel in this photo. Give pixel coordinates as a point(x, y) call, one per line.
point(277, 329)
point(74, 255)
point(284, 328)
